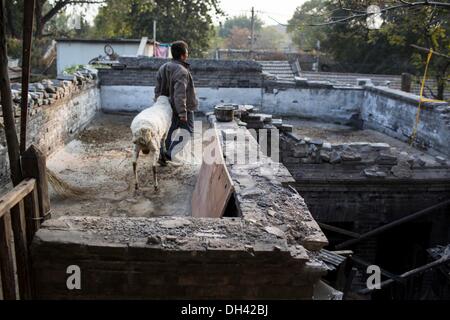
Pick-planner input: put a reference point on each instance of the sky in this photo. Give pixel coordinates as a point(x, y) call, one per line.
point(280, 10)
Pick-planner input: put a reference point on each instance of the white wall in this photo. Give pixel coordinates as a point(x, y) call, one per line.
point(72, 53)
point(394, 113)
point(325, 104)
point(137, 98)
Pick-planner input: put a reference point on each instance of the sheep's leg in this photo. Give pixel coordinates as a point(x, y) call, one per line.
point(155, 177)
point(137, 149)
point(164, 147)
point(155, 174)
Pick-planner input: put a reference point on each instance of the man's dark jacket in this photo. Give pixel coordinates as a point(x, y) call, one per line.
point(174, 80)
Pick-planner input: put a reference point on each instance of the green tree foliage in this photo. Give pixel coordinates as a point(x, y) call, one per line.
point(387, 50)
point(215, 41)
point(240, 22)
point(239, 38)
point(235, 34)
point(270, 38)
point(189, 20)
point(14, 18)
point(304, 35)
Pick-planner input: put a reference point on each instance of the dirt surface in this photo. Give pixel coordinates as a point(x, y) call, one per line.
point(338, 134)
point(99, 161)
point(332, 133)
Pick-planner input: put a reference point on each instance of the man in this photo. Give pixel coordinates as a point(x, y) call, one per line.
point(174, 80)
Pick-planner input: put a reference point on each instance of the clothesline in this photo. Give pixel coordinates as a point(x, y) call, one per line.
point(162, 50)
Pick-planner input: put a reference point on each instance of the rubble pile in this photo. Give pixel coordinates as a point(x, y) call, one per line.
point(251, 118)
point(379, 159)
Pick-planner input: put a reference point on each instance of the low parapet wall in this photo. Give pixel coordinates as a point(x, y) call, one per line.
point(59, 109)
point(131, 88)
point(394, 112)
point(238, 82)
point(312, 100)
point(242, 82)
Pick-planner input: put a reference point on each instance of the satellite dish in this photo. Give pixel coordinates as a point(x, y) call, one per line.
point(108, 50)
point(374, 19)
point(74, 22)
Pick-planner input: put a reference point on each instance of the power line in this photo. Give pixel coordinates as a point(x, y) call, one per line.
point(281, 24)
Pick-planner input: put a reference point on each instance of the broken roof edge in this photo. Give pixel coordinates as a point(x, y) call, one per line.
point(405, 96)
point(193, 236)
point(264, 195)
point(152, 63)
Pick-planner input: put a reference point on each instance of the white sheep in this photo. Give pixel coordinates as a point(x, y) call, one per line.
point(150, 128)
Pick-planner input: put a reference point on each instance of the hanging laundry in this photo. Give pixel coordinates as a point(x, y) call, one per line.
point(162, 50)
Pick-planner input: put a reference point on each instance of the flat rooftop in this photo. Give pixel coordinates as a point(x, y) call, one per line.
point(99, 162)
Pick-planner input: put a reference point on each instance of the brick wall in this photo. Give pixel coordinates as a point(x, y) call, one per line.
point(137, 258)
point(207, 73)
point(51, 126)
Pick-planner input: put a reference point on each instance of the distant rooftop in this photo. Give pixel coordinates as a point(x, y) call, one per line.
point(14, 73)
point(120, 40)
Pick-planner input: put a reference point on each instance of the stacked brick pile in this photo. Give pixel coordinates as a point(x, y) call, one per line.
point(252, 119)
point(49, 91)
point(58, 109)
point(379, 159)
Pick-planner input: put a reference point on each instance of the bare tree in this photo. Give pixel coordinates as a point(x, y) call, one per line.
point(363, 14)
point(42, 17)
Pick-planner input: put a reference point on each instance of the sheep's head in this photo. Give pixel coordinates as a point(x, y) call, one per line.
point(147, 140)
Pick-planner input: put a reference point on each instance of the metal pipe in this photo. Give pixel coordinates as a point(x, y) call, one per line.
point(392, 225)
point(434, 264)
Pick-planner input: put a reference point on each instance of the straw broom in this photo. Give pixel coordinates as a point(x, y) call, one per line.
point(62, 188)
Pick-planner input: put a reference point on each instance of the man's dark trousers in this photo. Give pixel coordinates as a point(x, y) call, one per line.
point(177, 124)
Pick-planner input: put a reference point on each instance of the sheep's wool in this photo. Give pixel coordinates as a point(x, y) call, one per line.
point(151, 124)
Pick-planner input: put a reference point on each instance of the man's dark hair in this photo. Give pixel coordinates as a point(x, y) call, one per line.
point(178, 48)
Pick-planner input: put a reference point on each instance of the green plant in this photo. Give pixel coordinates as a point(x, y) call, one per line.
point(73, 69)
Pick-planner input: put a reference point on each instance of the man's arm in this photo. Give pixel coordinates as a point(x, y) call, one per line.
point(179, 94)
point(158, 85)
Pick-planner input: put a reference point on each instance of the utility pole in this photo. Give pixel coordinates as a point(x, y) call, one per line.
point(154, 37)
point(318, 55)
point(252, 32)
point(28, 16)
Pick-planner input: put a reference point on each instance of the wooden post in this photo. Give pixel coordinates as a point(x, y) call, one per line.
point(33, 219)
point(28, 15)
point(7, 262)
point(7, 107)
point(21, 250)
point(348, 283)
point(406, 82)
point(34, 166)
